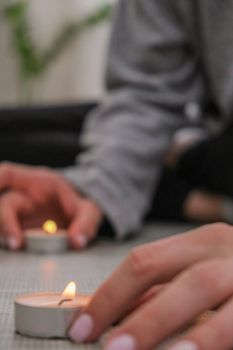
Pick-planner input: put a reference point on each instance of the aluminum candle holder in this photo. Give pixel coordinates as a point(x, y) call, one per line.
point(46, 240)
point(48, 314)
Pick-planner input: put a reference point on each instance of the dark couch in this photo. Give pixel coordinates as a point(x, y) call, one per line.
point(42, 135)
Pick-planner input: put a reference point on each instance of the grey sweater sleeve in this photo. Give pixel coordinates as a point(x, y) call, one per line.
point(151, 75)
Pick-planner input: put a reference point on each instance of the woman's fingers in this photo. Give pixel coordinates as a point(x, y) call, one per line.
point(14, 176)
point(40, 183)
point(40, 214)
point(85, 224)
point(12, 205)
point(146, 266)
point(198, 289)
point(5, 175)
point(44, 186)
point(66, 196)
point(213, 334)
point(150, 294)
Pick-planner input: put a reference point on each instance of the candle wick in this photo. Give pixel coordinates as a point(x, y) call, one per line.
point(63, 301)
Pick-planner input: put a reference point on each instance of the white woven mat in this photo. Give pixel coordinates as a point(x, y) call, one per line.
point(24, 273)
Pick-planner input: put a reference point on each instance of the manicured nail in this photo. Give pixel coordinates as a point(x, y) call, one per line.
point(13, 243)
point(122, 342)
point(81, 240)
point(184, 345)
point(81, 328)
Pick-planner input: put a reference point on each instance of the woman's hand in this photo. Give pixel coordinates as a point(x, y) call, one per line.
point(34, 195)
point(198, 267)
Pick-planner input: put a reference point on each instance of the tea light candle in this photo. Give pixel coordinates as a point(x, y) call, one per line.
point(48, 315)
point(48, 239)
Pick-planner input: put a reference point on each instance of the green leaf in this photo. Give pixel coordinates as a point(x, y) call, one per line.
point(16, 11)
point(33, 61)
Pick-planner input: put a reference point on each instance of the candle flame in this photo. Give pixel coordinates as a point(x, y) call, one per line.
point(50, 227)
point(70, 290)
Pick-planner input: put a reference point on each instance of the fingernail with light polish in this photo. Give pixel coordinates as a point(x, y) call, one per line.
point(184, 345)
point(122, 342)
point(13, 243)
point(81, 240)
point(81, 328)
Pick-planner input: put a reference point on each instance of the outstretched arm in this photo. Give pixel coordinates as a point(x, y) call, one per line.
point(152, 74)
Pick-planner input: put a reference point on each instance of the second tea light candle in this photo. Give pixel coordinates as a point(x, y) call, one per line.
point(46, 240)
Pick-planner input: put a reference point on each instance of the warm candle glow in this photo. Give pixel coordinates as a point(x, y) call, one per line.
point(70, 290)
point(50, 227)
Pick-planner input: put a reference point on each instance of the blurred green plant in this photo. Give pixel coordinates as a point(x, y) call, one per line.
point(33, 62)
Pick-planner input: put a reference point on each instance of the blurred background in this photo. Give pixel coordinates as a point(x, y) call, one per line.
point(53, 52)
point(52, 66)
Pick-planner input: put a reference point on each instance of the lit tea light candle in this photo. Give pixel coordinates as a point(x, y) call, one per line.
point(48, 315)
point(48, 239)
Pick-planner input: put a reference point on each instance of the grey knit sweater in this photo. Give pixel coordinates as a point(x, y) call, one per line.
point(164, 54)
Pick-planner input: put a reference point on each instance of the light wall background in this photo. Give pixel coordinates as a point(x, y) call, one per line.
point(78, 74)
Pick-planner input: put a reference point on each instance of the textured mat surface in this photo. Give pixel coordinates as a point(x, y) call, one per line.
point(24, 273)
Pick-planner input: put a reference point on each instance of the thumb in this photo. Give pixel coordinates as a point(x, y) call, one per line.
point(12, 205)
point(85, 224)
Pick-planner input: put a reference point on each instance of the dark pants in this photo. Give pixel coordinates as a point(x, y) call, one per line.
point(42, 135)
point(207, 166)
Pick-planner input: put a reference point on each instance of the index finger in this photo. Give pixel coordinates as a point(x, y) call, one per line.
point(12, 205)
point(13, 176)
point(67, 197)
